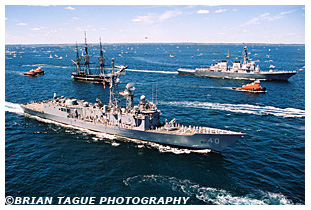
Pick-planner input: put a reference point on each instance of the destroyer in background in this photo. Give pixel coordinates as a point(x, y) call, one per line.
point(238, 70)
point(137, 122)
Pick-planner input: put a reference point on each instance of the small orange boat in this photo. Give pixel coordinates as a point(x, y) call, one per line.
point(31, 73)
point(251, 87)
point(39, 71)
point(34, 72)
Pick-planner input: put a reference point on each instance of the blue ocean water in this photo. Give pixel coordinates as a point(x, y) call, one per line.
point(265, 167)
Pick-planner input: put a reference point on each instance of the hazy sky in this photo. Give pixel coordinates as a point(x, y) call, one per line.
point(150, 24)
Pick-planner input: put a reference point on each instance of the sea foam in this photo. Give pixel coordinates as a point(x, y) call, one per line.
point(242, 108)
point(13, 107)
point(208, 195)
point(152, 71)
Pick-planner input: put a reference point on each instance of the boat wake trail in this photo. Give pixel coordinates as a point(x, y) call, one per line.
point(48, 66)
point(12, 107)
point(35, 65)
point(242, 108)
point(206, 194)
point(153, 71)
point(153, 61)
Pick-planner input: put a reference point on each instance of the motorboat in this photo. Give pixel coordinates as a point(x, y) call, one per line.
point(251, 87)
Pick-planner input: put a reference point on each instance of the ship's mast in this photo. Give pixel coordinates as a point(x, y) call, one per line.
point(245, 55)
point(102, 59)
point(112, 84)
point(112, 65)
point(129, 100)
point(86, 57)
point(77, 59)
point(128, 94)
point(111, 91)
point(85, 43)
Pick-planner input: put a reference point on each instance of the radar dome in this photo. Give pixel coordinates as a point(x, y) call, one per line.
point(142, 98)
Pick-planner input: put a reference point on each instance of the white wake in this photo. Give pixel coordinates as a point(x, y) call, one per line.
point(13, 107)
point(153, 71)
point(242, 108)
point(209, 195)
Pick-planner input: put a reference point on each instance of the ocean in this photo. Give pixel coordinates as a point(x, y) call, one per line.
point(267, 166)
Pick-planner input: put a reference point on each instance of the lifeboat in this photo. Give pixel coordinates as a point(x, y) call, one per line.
point(251, 87)
point(39, 71)
point(31, 73)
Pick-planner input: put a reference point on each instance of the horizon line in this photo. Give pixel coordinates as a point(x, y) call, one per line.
point(268, 43)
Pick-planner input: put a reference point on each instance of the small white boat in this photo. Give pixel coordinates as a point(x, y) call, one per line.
point(115, 144)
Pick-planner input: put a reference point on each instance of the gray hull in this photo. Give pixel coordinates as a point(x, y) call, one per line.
point(281, 76)
point(215, 142)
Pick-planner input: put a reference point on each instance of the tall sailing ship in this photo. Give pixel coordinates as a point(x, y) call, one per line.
point(84, 71)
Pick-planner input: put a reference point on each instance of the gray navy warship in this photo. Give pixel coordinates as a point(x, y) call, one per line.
point(246, 70)
point(140, 122)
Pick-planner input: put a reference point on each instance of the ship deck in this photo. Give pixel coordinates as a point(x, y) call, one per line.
point(192, 131)
point(38, 107)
